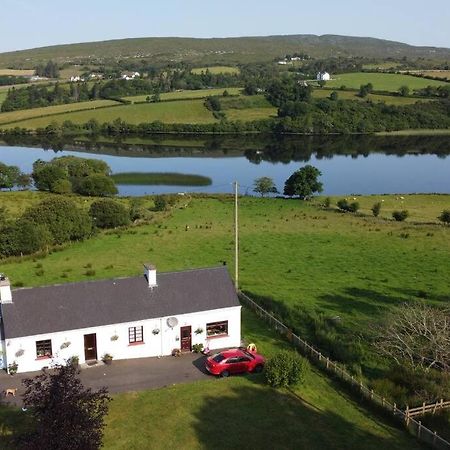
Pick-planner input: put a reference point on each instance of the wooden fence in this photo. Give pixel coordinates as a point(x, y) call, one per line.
point(414, 426)
point(426, 409)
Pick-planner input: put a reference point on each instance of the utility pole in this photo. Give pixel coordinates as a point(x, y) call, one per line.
point(236, 237)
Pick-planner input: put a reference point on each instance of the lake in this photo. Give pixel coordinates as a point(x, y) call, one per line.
point(349, 164)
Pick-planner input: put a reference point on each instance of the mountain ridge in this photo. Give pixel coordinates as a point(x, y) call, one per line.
point(229, 49)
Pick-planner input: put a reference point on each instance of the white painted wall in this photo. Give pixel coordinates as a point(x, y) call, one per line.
point(154, 345)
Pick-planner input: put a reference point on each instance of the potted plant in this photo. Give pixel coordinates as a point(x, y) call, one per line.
point(107, 358)
point(73, 361)
point(197, 348)
point(12, 368)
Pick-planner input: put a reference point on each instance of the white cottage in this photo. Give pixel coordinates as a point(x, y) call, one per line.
point(135, 317)
point(323, 76)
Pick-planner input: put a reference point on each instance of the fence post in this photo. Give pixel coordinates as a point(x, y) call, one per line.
point(328, 362)
point(407, 415)
point(434, 438)
point(423, 408)
point(419, 429)
point(371, 394)
point(382, 401)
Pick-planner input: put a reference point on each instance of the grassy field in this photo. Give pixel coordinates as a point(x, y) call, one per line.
point(48, 111)
point(352, 95)
point(418, 132)
point(17, 73)
point(312, 262)
point(3, 95)
point(383, 66)
point(249, 114)
point(186, 111)
point(182, 95)
point(444, 74)
point(313, 415)
point(216, 70)
point(173, 179)
point(381, 81)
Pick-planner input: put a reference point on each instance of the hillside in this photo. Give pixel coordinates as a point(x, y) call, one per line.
point(225, 50)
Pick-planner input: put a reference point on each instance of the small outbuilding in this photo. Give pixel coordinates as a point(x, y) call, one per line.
point(135, 317)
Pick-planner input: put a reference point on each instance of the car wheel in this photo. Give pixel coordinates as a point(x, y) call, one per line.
point(258, 368)
point(225, 374)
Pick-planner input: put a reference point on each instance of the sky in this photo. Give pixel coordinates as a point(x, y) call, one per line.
point(37, 23)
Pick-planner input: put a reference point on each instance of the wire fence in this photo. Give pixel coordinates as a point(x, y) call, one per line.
point(414, 426)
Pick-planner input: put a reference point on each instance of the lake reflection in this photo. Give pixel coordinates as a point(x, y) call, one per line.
point(350, 165)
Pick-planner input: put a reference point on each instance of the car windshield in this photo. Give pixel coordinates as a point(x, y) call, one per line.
point(218, 358)
point(246, 353)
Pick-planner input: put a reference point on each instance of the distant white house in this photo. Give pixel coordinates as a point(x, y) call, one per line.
point(282, 63)
point(74, 79)
point(133, 317)
point(323, 76)
point(130, 75)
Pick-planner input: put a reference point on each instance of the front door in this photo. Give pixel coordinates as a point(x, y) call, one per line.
point(90, 346)
point(186, 339)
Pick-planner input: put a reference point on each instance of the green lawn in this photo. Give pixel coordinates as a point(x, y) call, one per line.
point(352, 95)
point(190, 111)
point(215, 70)
point(381, 81)
point(220, 413)
point(21, 115)
point(313, 415)
point(187, 94)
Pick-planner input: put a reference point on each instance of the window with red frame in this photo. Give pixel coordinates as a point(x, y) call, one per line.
point(217, 328)
point(135, 334)
point(43, 348)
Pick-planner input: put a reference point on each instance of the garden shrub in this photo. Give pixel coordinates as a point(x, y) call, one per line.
point(286, 368)
point(108, 213)
point(400, 216)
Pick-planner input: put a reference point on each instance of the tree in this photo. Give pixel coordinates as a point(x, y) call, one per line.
point(416, 334)
point(365, 89)
point(97, 185)
point(24, 237)
point(66, 415)
point(334, 96)
point(108, 213)
point(62, 217)
point(46, 175)
point(8, 176)
point(376, 209)
point(445, 216)
point(303, 183)
point(400, 216)
point(404, 91)
point(264, 186)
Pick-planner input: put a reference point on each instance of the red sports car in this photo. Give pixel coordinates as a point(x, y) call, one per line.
point(237, 360)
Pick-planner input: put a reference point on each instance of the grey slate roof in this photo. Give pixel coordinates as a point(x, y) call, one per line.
point(72, 306)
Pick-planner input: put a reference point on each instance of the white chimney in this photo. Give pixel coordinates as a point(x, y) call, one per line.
point(150, 274)
point(5, 289)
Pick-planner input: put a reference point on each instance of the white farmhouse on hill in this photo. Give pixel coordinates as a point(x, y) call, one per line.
point(132, 317)
point(323, 76)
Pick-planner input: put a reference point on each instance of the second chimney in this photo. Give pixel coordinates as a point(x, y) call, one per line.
point(150, 275)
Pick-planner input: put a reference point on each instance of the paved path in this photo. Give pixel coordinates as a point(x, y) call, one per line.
point(124, 376)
